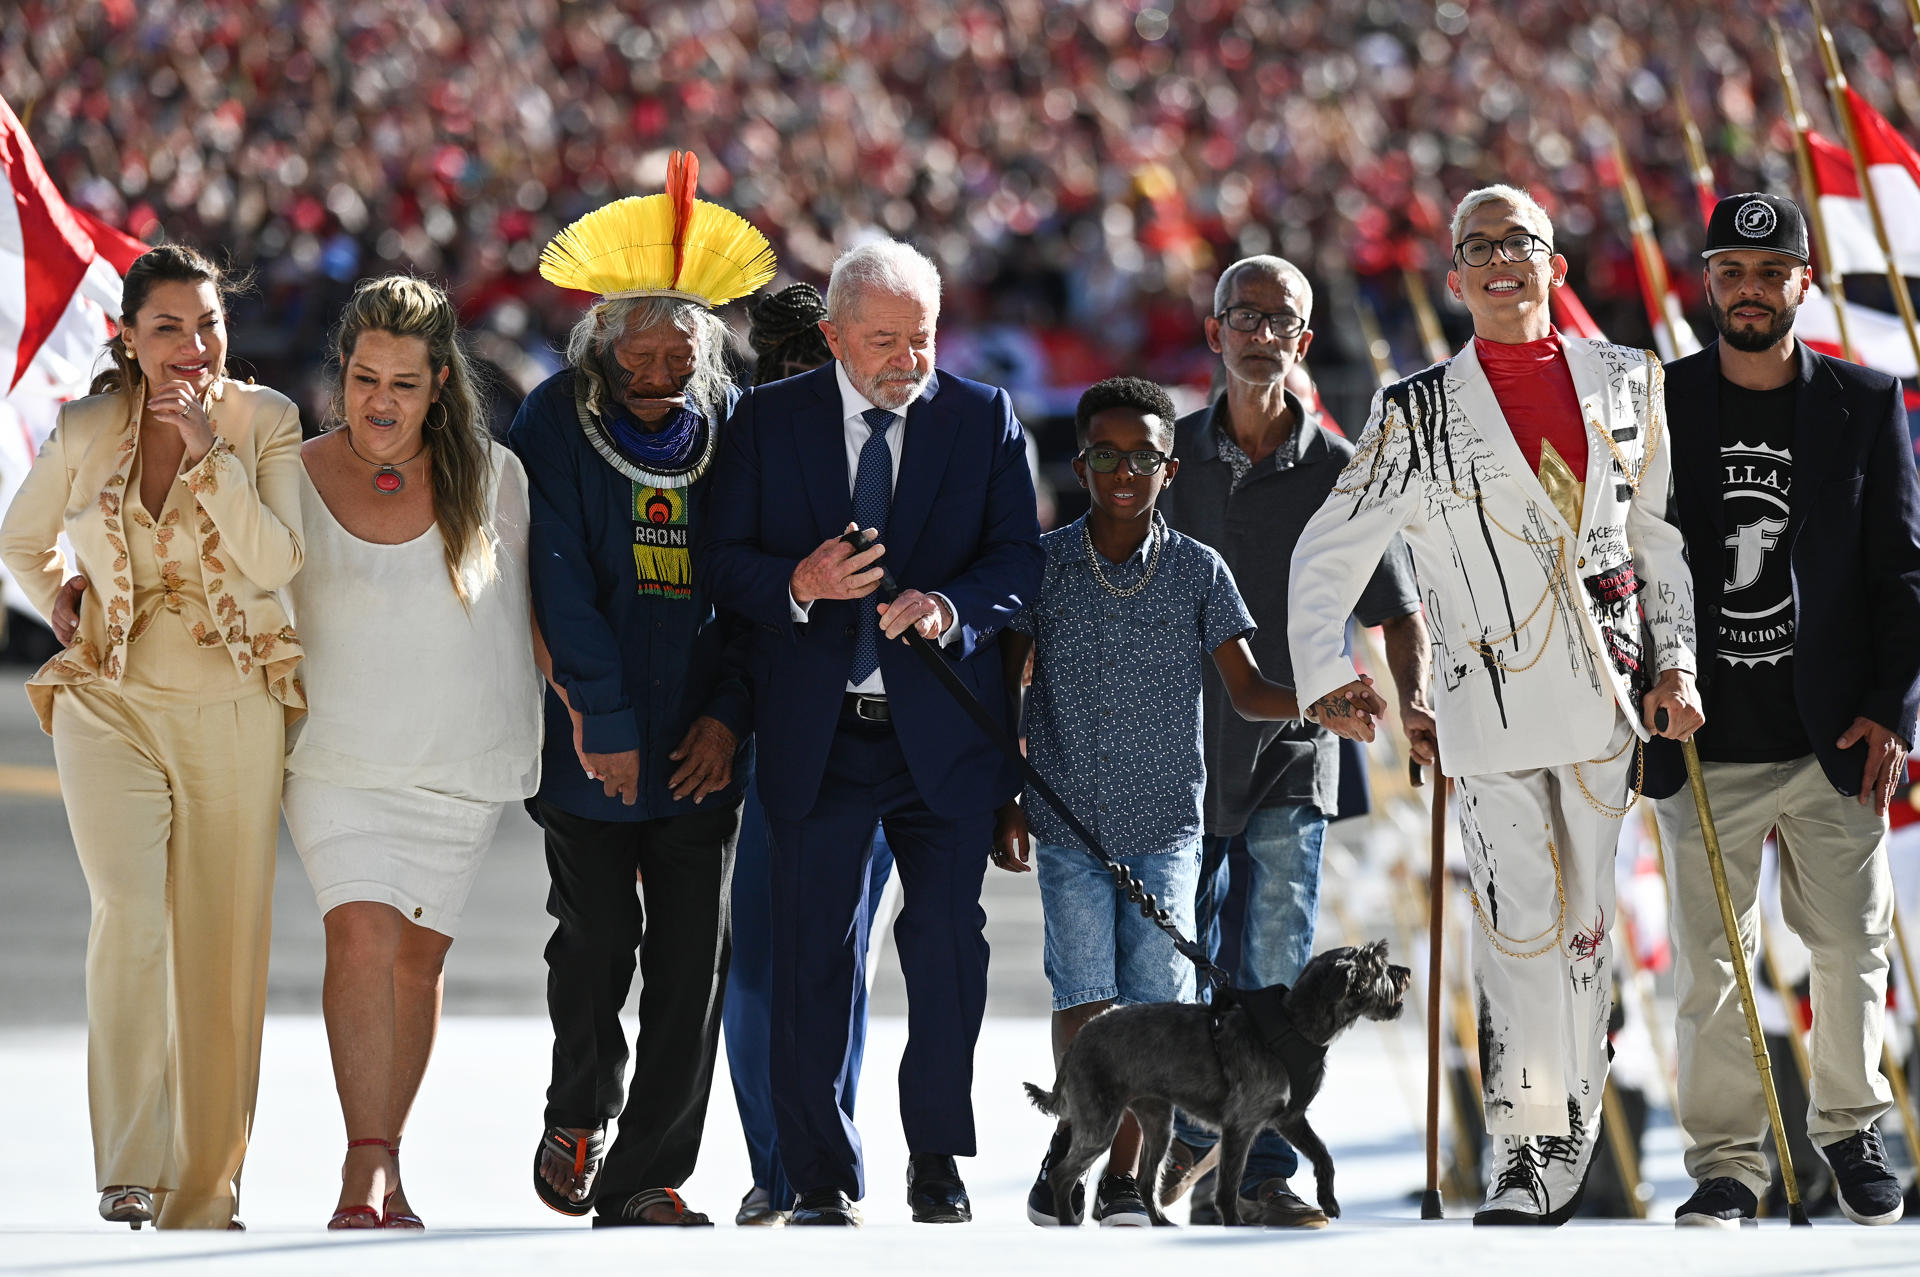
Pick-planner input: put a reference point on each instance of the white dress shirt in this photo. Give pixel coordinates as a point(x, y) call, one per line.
point(853, 424)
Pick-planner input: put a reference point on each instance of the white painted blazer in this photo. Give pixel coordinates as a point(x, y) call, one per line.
point(1538, 629)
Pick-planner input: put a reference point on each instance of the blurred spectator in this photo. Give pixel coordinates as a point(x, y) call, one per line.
point(1078, 168)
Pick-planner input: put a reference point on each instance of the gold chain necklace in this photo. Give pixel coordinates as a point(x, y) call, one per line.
point(1501, 941)
point(1157, 533)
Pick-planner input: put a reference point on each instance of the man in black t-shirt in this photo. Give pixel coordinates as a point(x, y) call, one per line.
point(1797, 495)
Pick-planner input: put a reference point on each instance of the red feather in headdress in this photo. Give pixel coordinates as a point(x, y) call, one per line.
point(683, 175)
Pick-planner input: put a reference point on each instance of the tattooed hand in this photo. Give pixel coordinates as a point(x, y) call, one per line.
point(1349, 711)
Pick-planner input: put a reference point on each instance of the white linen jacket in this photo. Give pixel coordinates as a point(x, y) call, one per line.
point(246, 536)
point(1538, 629)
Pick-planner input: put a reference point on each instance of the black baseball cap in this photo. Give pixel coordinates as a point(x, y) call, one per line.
point(1757, 222)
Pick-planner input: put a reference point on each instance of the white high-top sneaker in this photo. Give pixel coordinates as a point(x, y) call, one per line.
point(1538, 1180)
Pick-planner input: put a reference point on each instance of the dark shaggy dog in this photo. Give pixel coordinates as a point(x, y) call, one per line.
point(1259, 1065)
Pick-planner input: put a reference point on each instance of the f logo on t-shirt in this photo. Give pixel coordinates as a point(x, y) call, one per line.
point(1749, 544)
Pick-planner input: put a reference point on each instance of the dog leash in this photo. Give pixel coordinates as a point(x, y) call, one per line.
point(1124, 882)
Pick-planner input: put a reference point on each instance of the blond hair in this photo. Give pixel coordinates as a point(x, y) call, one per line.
point(1526, 209)
point(462, 468)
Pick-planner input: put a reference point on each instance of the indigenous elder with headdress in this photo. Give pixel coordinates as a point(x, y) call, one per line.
point(1529, 476)
point(1795, 487)
point(179, 491)
point(423, 700)
point(853, 731)
point(647, 720)
point(785, 331)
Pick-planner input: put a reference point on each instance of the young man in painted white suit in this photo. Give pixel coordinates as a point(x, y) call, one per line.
point(1529, 476)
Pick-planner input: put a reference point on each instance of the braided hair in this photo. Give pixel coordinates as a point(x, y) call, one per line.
point(785, 333)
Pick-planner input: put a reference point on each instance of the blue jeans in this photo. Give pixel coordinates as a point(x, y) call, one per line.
point(745, 1014)
point(1277, 883)
point(1098, 948)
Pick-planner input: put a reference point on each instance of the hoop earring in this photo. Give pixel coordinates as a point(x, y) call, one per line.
point(440, 424)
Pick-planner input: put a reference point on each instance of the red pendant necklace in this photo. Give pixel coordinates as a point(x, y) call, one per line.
point(386, 478)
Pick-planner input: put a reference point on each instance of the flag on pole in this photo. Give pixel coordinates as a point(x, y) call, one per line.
point(1879, 339)
point(59, 290)
point(1570, 313)
point(1850, 237)
point(1893, 167)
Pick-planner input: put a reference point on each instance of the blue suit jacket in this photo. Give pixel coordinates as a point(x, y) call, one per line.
point(1853, 531)
point(963, 523)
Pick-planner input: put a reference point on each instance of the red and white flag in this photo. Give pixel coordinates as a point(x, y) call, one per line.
point(1893, 167)
point(59, 289)
point(1879, 339)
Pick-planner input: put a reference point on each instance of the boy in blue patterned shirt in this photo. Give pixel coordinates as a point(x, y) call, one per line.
point(1127, 612)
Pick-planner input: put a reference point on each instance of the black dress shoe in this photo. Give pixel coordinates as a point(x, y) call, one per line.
point(827, 1206)
point(935, 1192)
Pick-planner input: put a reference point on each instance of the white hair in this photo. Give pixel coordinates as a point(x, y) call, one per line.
point(883, 266)
point(606, 322)
point(1265, 266)
point(1526, 210)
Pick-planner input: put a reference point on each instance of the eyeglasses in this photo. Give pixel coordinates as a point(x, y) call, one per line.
point(1141, 461)
point(1517, 247)
point(1245, 319)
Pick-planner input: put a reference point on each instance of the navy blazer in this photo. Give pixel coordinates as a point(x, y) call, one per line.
point(963, 523)
point(1853, 535)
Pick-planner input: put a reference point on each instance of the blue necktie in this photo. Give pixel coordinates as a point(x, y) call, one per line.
point(872, 500)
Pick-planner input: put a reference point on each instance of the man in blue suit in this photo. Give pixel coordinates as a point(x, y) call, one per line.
point(1795, 489)
point(852, 731)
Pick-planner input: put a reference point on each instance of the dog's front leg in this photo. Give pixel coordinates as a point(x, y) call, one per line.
point(1303, 1138)
point(1235, 1143)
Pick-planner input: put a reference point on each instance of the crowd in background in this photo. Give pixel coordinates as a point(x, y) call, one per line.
point(1080, 169)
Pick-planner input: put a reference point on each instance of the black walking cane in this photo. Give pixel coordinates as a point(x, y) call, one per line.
point(1123, 881)
point(1796, 1213)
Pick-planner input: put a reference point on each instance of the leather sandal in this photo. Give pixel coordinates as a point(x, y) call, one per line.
point(389, 1218)
point(586, 1156)
point(633, 1212)
point(344, 1217)
point(127, 1204)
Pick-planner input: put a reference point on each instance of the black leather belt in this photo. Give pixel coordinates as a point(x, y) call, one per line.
point(872, 709)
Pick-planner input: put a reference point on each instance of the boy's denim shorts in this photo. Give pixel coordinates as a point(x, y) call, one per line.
point(1098, 947)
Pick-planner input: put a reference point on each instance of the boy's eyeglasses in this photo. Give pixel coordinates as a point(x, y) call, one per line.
point(1106, 460)
point(1517, 247)
point(1245, 319)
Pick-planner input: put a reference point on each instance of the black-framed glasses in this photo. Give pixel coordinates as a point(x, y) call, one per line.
point(1517, 247)
point(1245, 319)
point(1107, 460)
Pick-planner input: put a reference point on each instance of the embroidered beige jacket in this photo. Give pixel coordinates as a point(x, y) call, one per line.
point(245, 528)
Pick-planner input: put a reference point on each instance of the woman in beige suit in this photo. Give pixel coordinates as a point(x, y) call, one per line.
point(179, 491)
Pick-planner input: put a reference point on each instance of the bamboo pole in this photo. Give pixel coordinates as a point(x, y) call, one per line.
point(1379, 353)
point(1425, 316)
point(1698, 168)
point(1663, 312)
point(1613, 1116)
point(1837, 91)
point(1810, 189)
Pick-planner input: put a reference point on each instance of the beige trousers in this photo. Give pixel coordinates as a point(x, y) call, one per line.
point(1837, 896)
point(174, 806)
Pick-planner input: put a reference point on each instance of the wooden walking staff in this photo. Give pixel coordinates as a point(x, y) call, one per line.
point(1430, 1207)
point(1837, 91)
point(1796, 1212)
point(1834, 285)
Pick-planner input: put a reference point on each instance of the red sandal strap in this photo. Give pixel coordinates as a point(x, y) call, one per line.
point(369, 1144)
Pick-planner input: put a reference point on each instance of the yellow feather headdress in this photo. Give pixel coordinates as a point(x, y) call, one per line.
point(667, 245)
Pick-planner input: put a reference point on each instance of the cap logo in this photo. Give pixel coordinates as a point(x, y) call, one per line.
point(1755, 220)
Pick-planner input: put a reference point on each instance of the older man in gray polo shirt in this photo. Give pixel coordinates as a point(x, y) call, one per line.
point(1255, 465)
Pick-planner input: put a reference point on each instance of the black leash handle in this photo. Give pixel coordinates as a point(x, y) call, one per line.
point(1123, 880)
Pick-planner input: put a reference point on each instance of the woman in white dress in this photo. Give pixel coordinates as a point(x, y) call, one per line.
point(424, 701)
